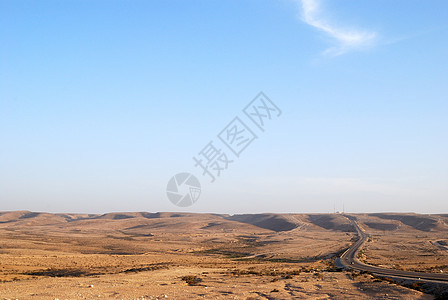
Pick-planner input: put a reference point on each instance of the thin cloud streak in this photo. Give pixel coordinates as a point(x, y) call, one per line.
point(347, 40)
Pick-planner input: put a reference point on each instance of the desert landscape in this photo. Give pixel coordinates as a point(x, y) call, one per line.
point(213, 256)
point(235, 150)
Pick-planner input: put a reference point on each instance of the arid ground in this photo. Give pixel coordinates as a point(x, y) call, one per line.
point(211, 256)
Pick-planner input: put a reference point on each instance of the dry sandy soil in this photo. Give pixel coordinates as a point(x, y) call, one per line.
point(209, 256)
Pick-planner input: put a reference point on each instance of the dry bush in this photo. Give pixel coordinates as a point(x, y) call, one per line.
point(191, 279)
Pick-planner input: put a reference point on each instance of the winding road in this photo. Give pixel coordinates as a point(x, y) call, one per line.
point(349, 260)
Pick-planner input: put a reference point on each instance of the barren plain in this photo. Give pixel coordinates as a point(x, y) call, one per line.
point(211, 256)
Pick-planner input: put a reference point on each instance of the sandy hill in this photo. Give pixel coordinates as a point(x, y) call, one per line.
point(415, 221)
point(146, 223)
point(274, 222)
point(331, 222)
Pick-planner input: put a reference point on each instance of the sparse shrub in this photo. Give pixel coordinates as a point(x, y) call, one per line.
point(389, 280)
point(354, 274)
point(415, 286)
point(238, 272)
point(253, 272)
point(305, 270)
point(191, 279)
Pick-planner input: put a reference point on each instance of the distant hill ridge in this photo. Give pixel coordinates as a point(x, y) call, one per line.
point(207, 221)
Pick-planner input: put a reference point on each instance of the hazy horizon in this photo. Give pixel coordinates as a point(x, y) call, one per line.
point(224, 213)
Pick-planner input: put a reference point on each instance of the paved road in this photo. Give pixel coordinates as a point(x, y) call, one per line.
point(349, 260)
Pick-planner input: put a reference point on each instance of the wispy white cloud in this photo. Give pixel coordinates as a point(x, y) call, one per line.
point(346, 40)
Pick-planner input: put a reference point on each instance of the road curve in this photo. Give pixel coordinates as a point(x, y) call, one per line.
point(349, 260)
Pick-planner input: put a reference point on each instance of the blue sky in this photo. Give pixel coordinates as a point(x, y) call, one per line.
point(101, 102)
